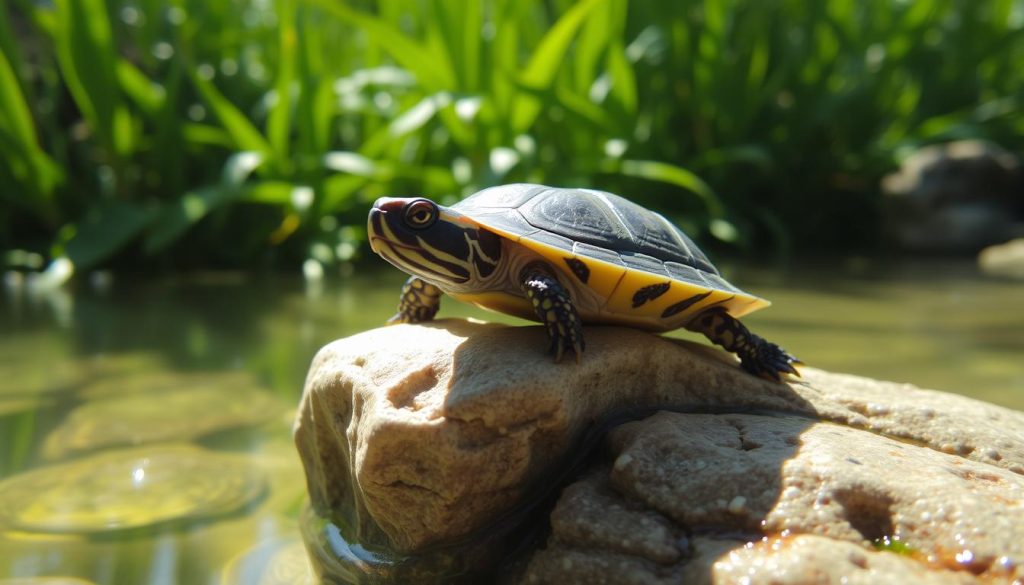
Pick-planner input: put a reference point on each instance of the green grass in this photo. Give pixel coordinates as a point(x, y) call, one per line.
point(246, 132)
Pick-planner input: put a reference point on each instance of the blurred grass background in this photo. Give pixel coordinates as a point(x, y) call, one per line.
point(252, 133)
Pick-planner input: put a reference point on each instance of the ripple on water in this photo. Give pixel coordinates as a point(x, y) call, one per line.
point(129, 489)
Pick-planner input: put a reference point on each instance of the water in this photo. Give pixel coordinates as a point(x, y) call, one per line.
point(146, 425)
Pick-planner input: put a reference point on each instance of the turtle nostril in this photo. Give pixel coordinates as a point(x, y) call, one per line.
point(390, 204)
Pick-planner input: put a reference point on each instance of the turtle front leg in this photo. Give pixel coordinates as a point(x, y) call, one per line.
point(420, 302)
point(757, 356)
point(555, 310)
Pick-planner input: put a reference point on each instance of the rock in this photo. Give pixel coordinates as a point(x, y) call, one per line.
point(1004, 259)
point(130, 489)
point(814, 500)
point(956, 197)
point(393, 421)
point(419, 436)
point(181, 413)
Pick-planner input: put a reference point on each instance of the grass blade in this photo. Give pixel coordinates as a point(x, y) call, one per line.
point(623, 79)
point(86, 54)
point(147, 95)
point(540, 71)
point(279, 120)
point(242, 132)
point(432, 72)
point(177, 217)
point(674, 175)
point(28, 161)
point(106, 230)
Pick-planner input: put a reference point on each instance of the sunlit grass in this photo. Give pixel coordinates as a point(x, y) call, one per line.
point(245, 131)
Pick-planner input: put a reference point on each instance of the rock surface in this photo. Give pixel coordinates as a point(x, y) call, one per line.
point(180, 413)
point(1005, 260)
point(956, 197)
point(814, 499)
point(421, 435)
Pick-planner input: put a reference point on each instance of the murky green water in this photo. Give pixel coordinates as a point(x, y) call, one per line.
point(145, 426)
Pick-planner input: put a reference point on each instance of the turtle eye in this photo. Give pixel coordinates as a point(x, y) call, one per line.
point(420, 214)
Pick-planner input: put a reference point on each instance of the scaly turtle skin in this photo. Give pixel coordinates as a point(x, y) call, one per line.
point(565, 257)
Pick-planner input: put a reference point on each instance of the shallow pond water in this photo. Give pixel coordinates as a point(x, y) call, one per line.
point(145, 425)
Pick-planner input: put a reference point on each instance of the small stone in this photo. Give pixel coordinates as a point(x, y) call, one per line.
point(875, 409)
point(623, 461)
point(1006, 260)
point(129, 489)
point(737, 505)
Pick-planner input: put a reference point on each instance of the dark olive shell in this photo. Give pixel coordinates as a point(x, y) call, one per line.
point(595, 224)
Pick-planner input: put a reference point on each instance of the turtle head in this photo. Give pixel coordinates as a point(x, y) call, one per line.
point(433, 242)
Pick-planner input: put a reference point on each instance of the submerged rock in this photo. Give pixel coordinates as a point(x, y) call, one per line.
point(26, 367)
point(129, 489)
point(418, 438)
point(180, 413)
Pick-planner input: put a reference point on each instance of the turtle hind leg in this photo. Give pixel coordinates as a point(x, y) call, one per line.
point(555, 309)
point(757, 355)
point(419, 302)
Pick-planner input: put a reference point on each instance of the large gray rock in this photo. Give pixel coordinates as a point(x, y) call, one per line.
point(421, 435)
point(1006, 260)
point(955, 197)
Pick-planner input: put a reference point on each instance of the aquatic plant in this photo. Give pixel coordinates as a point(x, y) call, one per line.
point(262, 129)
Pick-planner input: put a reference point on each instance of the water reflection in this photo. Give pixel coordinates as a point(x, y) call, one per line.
point(145, 426)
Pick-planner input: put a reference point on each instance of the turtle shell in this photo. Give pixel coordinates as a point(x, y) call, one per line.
point(647, 270)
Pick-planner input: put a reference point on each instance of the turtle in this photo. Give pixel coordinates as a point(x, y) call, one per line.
point(565, 257)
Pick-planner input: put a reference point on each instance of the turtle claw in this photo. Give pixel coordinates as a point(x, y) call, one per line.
point(400, 317)
point(419, 302)
point(555, 310)
point(559, 350)
point(566, 339)
point(769, 361)
point(757, 356)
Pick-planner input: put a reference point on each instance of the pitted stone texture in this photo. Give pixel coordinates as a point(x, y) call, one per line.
point(797, 560)
point(802, 559)
point(428, 433)
point(810, 499)
point(588, 508)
